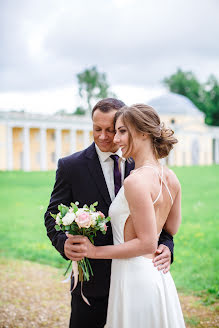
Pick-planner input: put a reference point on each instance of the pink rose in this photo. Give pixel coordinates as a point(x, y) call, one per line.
point(105, 227)
point(101, 214)
point(83, 220)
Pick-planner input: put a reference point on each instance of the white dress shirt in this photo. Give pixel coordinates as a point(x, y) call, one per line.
point(107, 165)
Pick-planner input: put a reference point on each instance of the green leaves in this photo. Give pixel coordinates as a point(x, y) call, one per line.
point(53, 215)
point(57, 227)
point(63, 209)
point(92, 207)
point(75, 208)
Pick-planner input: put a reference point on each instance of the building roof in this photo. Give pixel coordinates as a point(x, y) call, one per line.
point(172, 103)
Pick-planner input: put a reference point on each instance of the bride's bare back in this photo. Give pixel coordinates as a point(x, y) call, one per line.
point(165, 192)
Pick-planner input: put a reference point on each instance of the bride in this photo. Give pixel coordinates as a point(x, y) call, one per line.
point(150, 200)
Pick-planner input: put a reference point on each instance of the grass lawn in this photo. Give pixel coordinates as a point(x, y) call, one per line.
point(25, 196)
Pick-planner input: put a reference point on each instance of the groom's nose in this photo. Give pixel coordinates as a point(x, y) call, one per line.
point(103, 135)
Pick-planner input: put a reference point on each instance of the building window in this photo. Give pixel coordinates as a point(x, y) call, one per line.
point(172, 121)
point(214, 150)
point(53, 157)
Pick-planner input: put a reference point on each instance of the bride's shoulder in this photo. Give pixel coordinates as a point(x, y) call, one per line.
point(135, 188)
point(138, 180)
point(172, 178)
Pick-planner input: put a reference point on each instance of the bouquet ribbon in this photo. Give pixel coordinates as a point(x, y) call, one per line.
point(75, 274)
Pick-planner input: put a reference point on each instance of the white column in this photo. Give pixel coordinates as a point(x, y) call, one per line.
point(72, 141)
point(43, 154)
point(86, 138)
point(26, 134)
point(58, 144)
point(10, 148)
point(171, 156)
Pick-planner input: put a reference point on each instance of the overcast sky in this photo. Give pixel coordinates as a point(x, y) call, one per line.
point(45, 43)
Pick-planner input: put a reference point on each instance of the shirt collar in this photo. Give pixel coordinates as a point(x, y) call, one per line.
point(103, 156)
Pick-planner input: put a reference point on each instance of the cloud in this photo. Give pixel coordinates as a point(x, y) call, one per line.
point(44, 44)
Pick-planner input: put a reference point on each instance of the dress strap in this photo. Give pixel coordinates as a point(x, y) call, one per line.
point(168, 191)
point(161, 184)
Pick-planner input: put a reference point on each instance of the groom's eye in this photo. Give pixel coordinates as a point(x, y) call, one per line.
point(111, 131)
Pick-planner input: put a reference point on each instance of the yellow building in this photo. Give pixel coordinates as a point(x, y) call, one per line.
point(198, 143)
point(32, 142)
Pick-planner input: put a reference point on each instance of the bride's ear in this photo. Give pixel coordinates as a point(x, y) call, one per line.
point(145, 136)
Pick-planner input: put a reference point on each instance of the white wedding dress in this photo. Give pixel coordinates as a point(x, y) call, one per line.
point(140, 295)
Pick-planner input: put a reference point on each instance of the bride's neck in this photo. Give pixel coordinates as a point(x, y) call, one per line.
point(145, 157)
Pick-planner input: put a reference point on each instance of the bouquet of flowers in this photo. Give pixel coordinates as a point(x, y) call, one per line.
point(84, 221)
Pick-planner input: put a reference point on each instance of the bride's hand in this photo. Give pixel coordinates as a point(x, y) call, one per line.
point(88, 248)
point(77, 247)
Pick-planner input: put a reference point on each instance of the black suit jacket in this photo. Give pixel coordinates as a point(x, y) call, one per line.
point(79, 177)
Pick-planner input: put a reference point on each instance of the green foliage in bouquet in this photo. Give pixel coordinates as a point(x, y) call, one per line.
point(84, 221)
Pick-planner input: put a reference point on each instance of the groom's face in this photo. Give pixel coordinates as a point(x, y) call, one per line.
point(103, 130)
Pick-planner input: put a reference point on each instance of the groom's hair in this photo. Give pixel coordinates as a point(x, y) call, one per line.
point(107, 104)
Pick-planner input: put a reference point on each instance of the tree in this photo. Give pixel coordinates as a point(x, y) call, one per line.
point(93, 85)
point(205, 96)
point(212, 101)
point(79, 111)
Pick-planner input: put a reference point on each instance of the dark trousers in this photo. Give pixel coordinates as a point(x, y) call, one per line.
point(85, 316)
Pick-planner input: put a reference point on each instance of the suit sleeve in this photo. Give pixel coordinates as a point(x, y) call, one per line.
point(167, 240)
point(61, 193)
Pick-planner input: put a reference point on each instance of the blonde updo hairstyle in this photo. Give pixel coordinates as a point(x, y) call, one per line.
point(144, 119)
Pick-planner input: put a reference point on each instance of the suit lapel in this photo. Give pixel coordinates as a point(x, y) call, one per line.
point(96, 172)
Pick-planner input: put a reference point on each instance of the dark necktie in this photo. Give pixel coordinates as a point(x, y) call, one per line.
point(117, 173)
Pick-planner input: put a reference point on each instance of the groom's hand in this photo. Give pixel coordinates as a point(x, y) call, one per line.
point(162, 259)
point(75, 248)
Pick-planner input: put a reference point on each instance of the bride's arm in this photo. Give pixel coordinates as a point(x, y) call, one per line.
point(143, 217)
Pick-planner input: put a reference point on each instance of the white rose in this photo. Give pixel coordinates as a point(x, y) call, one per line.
point(68, 218)
point(94, 217)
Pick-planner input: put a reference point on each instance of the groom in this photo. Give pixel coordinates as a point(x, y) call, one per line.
point(88, 176)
